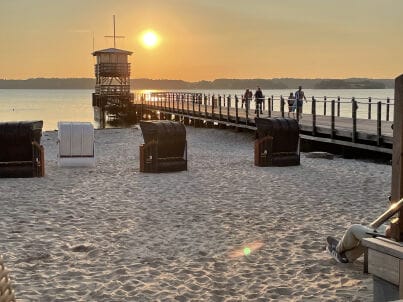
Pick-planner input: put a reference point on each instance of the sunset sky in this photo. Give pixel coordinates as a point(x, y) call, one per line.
point(205, 39)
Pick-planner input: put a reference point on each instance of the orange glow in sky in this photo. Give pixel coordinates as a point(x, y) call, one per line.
point(205, 39)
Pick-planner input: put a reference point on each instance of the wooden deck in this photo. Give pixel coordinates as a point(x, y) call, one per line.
point(372, 135)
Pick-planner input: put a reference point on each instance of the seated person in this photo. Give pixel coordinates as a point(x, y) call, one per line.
point(349, 248)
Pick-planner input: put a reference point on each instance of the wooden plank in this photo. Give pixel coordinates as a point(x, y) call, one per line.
point(386, 246)
point(384, 266)
point(346, 143)
point(397, 158)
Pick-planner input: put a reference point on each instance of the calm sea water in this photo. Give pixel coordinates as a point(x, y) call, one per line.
point(52, 106)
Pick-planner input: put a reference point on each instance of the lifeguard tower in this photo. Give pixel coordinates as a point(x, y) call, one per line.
point(112, 98)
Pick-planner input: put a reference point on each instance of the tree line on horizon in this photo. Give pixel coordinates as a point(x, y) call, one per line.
point(240, 84)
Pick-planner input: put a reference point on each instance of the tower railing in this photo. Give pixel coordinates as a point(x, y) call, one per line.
point(112, 69)
point(112, 89)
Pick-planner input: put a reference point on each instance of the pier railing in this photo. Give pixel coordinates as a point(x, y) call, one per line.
point(356, 119)
point(367, 108)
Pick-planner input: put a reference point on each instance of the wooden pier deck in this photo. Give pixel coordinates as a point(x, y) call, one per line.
point(357, 133)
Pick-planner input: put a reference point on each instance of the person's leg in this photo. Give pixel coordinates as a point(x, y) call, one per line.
point(350, 243)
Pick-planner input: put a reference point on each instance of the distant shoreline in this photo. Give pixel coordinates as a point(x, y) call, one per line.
point(240, 84)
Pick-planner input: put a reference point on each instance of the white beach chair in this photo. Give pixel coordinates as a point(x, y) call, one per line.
point(76, 144)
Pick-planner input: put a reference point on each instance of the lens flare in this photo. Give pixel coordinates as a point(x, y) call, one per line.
point(245, 250)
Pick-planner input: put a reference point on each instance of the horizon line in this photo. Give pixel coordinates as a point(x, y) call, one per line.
point(164, 79)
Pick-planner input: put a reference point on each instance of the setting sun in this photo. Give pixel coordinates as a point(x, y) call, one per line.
point(150, 39)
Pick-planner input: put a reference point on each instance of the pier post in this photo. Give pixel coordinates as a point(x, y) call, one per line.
point(199, 101)
point(272, 103)
point(205, 105)
point(247, 110)
point(228, 106)
point(269, 106)
point(297, 111)
point(338, 106)
point(193, 104)
point(313, 116)
point(333, 130)
point(187, 104)
point(387, 108)
point(141, 108)
point(369, 107)
point(379, 123)
point(219, 107)
point(236, 110)
point(282, 106)
point(324, 106)
point(183, 104)
point(212, 106)
point(176, 101)
point(354, 116)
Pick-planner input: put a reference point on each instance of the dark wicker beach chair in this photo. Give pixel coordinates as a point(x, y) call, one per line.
point(6, 290)
point(21, 154)
point(277, 143)
point(164, 148)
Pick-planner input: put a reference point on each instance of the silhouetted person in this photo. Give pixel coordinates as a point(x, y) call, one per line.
point(299, 101)
point(246, 98)
point(259, 100)
point(290, 101)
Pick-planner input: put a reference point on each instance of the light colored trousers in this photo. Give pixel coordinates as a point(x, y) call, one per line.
point(350, 243)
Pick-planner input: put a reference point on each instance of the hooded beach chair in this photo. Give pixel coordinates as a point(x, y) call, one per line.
point(76, 144)
point(21, 154)
point(164, 148)
point(277, 143)
point(6, 291)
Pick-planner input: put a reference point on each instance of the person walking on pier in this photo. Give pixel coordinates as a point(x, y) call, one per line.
point(299, 101)
point(246, 98)
point(290, 101)
point(259, 100)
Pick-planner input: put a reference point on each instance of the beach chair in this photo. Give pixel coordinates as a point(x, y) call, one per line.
point(6, 291)
point(164, 148)
point(21, 154)
point(76, 144)
point(277, 143)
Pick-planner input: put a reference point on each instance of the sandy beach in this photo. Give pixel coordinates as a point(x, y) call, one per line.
point(110, 233)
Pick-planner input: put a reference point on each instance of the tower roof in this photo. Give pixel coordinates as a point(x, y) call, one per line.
point(112, 50)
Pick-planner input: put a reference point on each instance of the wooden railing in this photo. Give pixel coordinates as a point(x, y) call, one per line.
point(335, 118)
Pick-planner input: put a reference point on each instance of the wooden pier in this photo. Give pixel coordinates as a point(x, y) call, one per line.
point(332, 130)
